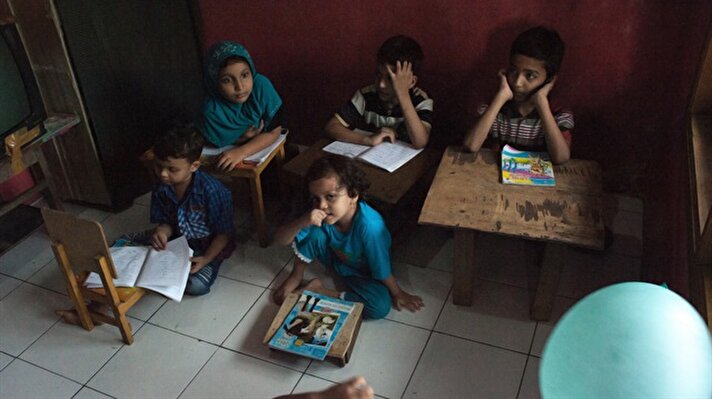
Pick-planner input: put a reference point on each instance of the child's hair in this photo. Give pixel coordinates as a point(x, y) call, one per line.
point(401, 48)
point(233, 60)
point(180, 141)
point(345, 169)
point(543, 44)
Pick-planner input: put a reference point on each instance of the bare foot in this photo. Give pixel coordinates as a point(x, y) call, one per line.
point(70, 316)
point(313, 285)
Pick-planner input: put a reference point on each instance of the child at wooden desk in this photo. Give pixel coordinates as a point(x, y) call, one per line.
point(242, 108)
point(392, 108)
point(347, 235)
point(520, 114)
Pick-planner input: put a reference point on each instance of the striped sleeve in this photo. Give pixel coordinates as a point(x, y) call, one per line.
point(351, 113)
point(423, 106)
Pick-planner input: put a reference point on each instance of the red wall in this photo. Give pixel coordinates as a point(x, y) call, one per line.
point(627, 75)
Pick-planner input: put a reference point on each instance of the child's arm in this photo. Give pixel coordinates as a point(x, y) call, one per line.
point(285, 234)
point(291, 283)
point(229, 159)
point(557, 146)
point(160, 236)
point(216, 245)
point(338, 131)
point(477, 135)
point(402, 299)
point(402, 79)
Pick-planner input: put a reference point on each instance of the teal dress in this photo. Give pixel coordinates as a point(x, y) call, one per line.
point(361, 256)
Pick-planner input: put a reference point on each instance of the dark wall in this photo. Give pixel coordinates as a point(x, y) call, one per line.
point(627, 75)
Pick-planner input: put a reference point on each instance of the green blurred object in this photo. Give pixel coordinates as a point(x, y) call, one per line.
point(629, 340)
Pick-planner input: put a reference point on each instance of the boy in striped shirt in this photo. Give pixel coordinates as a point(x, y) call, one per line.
point(520, 114)
point(392, 108)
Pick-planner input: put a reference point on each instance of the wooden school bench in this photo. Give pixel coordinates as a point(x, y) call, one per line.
point(467, 195)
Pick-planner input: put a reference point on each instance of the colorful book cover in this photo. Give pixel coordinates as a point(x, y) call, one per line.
point(526, 168)
point(313, 324)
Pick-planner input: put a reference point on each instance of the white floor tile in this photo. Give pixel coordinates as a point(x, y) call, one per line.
point(543, 329)
point(88, 393)
point(5, 360)
point(159, 363)
point(143, 199)
point(23, 380)
point(587, 271)
point(255, 265)
point(312, 384)
point(530, 382)
point(432, 286)
point(232, 375)
point(50, 277)
point(455, 368)
point(27, 257)
point(147, 306)
point(31, 310)
point(385, 354)
point(444, 260)
point(502, 259)
point(247, 337)
point(88, 350)
point(7, 285)
point(499, 316)
point(134, 219)
point(209, 317)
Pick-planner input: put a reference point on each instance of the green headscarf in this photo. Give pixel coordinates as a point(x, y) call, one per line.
point(224, 122)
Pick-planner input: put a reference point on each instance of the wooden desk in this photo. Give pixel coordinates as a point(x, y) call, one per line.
point(385, 186)
point(467, 194)
point(34, 159)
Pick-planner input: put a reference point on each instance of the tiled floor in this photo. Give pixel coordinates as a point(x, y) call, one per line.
point(211, 346)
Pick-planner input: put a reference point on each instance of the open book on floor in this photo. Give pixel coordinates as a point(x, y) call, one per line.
point(165, 272)
point(526, 168)
point(312, 325)
point(254, 159)
point(388, 156)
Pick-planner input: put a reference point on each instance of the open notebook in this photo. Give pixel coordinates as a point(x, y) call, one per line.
point(388, 156)
point(165, 272)
point(254, 159)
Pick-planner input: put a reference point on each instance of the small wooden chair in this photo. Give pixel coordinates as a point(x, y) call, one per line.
point(80, 247)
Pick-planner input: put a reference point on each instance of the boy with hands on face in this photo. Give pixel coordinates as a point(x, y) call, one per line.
point(520, 114)
point(392, 108)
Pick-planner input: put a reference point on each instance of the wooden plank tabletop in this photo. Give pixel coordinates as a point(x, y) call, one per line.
point(385, 186)
point(467, 193)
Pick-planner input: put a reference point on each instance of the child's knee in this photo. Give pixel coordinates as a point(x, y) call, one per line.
point(377, 309)
point(196, 286)
point(199, 283)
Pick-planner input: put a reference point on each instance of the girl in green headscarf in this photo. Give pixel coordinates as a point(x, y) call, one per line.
point(242, 107)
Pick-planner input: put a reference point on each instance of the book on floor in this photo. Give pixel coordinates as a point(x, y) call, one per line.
point(527, 168)
point(165, 272)
point(388, 156)
point(312, 325)
point(254, 159)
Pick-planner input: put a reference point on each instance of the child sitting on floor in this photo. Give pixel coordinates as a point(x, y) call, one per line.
point(520, 114)
point(242, 107)
point(189, 202)
point(347, 235)
point(392, 108)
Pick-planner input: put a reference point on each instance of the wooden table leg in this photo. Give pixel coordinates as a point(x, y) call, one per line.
point(465, 268)
point(53, 198)
point(548, 281)
point(258, 207)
